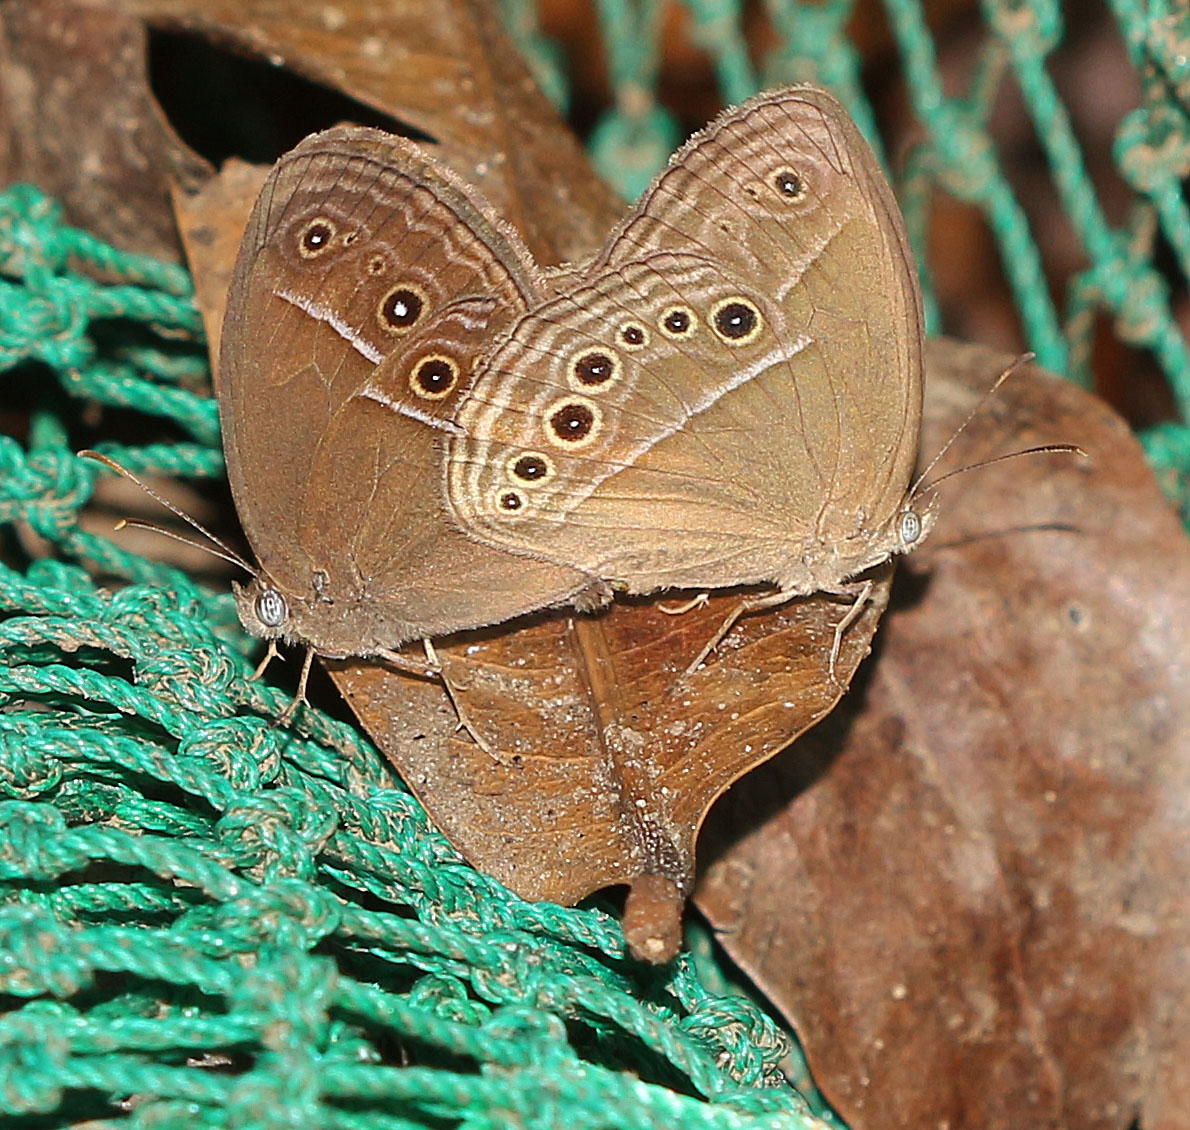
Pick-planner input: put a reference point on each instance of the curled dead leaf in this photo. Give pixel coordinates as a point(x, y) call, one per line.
point(966, 889)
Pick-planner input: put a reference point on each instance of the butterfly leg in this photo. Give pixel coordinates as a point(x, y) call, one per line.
point(269, 656)
point(756, 604)
point(299, 698)
point(686, 606)
point(464, 720)
point(432, 669)
point(853, 614)
point(428, 670)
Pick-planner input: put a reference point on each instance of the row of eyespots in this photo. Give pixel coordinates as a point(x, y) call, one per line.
point(400, 309)
point(318, 236)
point(736, 320)
point(533, 468)
point(434, 376)
point(573, 422)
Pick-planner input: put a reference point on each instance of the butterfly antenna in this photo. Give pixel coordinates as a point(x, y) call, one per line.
point(1023, 359)
point(165, 531)
point(1067, 448)
point(223, 551)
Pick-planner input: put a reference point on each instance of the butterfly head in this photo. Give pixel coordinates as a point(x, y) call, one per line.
point(914, 521)
point(262, 609)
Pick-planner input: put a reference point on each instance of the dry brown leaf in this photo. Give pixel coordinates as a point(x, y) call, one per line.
point(445, 67)
point(79, 121)
point(609, 760)
point(967, 889)
point(211, 222)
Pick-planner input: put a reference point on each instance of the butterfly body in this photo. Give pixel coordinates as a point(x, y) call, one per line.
point(730, 392)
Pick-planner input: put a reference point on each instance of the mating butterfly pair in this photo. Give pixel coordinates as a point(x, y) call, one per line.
point(425, 432)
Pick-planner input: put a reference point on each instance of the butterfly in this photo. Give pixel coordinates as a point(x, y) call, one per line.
point(730, 391)
point(368, 281)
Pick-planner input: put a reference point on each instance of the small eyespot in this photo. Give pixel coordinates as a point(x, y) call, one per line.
point(633, 336)
point(401, 308)
point(377, 264)
point(910, 529)
point(788, 184)
point(531, 468)
point(349, 238)
point(737, 320)
point(677, 321)
point(316, 237)
point(511, 501)
point(434, 377)
point(595, 370)
point(271, 609)
point(573, 423)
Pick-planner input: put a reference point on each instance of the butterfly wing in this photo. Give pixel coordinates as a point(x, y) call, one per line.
point(732, 389)
point(368, 280)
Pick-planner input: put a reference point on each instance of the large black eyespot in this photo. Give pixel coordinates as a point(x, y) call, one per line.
point(434, 377)
point(677, 321)
point(736, 320)
point(531, 468)
point(573, 422)
point(316, 238)
point(400, 309)
point(788, 184)
point(595, 369)
point(271, 609)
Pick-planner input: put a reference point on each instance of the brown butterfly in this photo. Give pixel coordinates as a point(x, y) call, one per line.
point(368, 281)
point(730, 392)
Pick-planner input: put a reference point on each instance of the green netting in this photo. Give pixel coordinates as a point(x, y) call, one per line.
point(207, 920)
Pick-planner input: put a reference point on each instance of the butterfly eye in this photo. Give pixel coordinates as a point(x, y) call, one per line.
point(271, 609)
point(910, 528)
point(595, 370)
point(788, 184)
point(573, 423)
point(677, 321)
point(633, 335)
point(400, 309)
point(532, 468)
point(737, 321)
point(316, 238)
point(434, 377)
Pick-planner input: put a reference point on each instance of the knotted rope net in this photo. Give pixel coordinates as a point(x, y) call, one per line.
point(209, 920)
